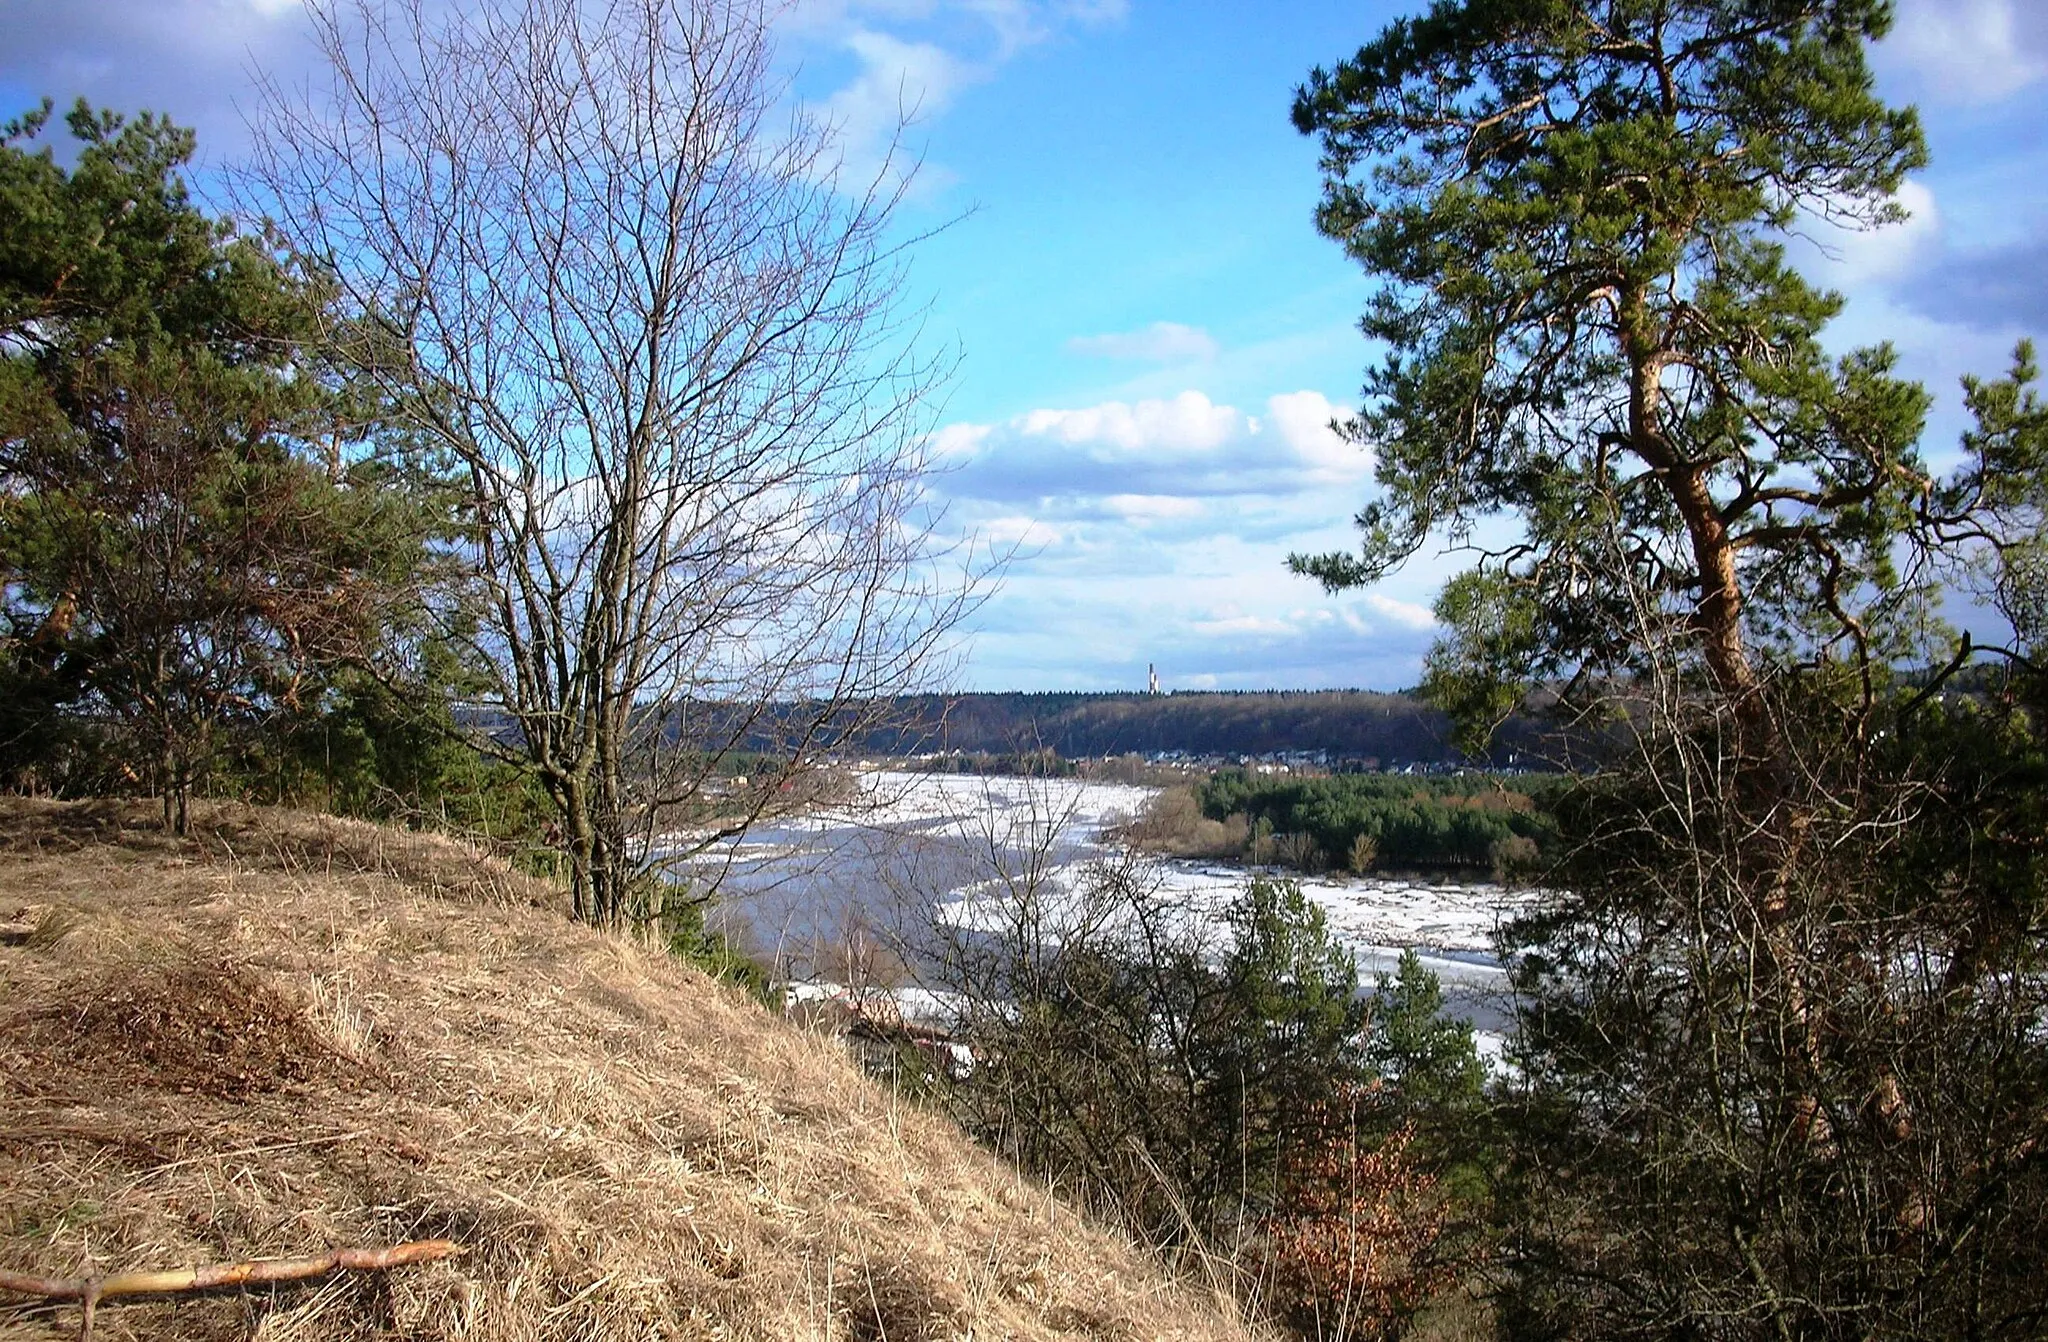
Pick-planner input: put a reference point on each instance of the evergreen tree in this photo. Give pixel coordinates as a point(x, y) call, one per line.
point(1283, 1044)
point(199, 523)
point(1427, 1061)
point(1578, 212)
point(1779, 1073)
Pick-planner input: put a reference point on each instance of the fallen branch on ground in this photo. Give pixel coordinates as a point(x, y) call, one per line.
point(89, 1291)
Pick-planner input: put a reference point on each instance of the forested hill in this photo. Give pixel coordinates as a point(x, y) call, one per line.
point(1347, 723)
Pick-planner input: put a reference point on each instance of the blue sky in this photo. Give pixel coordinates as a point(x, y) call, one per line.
point(1152, 337)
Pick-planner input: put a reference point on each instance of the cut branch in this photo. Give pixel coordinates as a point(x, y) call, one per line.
point(257, 1272)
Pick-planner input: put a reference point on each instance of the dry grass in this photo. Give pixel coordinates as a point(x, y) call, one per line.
point(291, 1032)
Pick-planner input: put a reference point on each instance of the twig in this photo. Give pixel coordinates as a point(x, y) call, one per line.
point(89, 1291)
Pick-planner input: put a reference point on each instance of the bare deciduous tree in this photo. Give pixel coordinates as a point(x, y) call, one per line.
point(666, 343)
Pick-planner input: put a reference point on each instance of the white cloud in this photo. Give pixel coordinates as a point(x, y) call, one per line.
point(899, 84)
point(1018, 24)
point(1161, 342)
point(1230, 622)
point(1303, 420)
point(1151, 507)
point(1095, 11)
point(1189, 422)
point(1406, 614)
point(189, 59)
point(1162, 529)
point(1010, 25)
point(1183, 447)
point(1848, 256)
point(1968, 51)
point(914, 57)
point(1211, 607)
point(955, 442)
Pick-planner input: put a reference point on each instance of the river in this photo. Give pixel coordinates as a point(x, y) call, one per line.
point(913, 851)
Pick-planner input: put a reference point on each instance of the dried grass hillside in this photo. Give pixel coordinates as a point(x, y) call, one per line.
point(288, 1033)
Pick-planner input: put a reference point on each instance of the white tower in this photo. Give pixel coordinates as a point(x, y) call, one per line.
point(1151, 678)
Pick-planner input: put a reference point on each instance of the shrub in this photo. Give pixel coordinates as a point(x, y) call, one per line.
point(1348, 1246)
point(1173, 823)
point(1301, 852)
point(1512, 855)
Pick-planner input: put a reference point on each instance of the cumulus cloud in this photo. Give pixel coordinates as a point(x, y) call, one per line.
point(1209, 609)
point(1197, 644)
point(193, 59)
point(1231, 622)
point(1024, 533)
point(1968, 51)
point(955, 442)
point(913, 58)
point(1161, 342)
point(1188, 423)
point(1373, 615)
point(1182, 447)
point(1018, 24)
point(1143, 508)
point(899, 84)
point(1406, 614)
point(1174, 518)
point(1003, 27)
point(1916, 267)
point(1306, 421)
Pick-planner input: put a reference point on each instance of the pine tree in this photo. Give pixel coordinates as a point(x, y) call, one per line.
point(1772, 1079)
point(199, 523)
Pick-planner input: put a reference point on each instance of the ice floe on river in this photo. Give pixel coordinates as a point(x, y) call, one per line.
point(948, 838)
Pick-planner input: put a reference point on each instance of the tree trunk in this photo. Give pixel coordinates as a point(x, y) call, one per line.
point(1774, 824)
point(572, 796)
point(1717, 615)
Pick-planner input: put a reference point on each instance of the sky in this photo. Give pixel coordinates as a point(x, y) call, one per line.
point(1152, 340)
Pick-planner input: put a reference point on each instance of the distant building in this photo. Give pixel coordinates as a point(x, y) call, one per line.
point(1151, 679)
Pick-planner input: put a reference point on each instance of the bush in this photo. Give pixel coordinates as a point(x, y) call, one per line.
point(1348, 1247)
point(691, 939)
point(1172, 823)
point(1512, 855)
point(1301, 852)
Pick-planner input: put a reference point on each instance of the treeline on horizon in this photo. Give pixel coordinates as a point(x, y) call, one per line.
point(1392, 728)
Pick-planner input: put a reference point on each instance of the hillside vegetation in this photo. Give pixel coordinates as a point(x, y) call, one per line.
point(285, 1032)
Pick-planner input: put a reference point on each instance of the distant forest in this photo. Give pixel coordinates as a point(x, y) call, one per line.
point(1349, 724)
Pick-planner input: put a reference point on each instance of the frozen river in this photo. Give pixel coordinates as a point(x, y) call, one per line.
point(917, 850)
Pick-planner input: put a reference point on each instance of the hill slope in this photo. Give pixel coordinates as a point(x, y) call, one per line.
point(289, 1033)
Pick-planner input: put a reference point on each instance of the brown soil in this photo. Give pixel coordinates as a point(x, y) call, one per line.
point(289, 1033)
